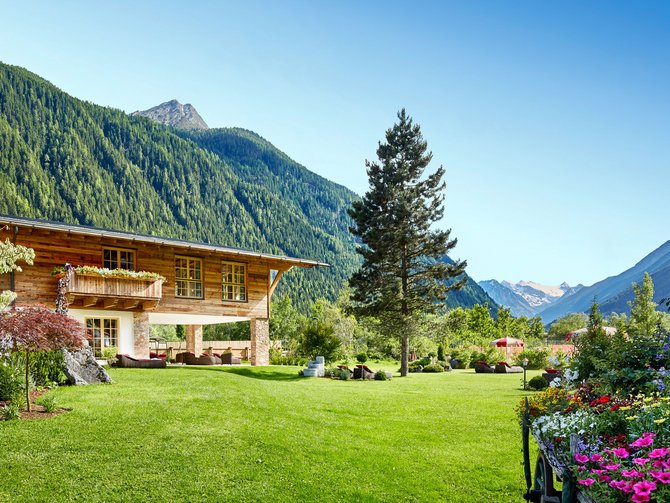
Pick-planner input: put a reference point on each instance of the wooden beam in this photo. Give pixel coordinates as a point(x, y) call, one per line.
point(109, 302)
point(274, 284)
point(149, 305)
point(89, 301)
point(131, 304)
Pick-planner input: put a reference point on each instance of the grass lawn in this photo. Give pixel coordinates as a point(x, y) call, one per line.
point(264, 434)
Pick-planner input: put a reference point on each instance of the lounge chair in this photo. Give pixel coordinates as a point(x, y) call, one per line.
point(191, 359)
point(363, 372)
point(483, 368)
point(505, 368)
point(229, 359)
point(126, 361)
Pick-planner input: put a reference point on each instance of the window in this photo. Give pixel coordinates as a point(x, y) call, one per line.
point(188, 277)
point(104, 333)
point(118, 258)
point(234, 282)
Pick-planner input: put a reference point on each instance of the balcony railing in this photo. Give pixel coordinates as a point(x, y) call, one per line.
point(93, 290)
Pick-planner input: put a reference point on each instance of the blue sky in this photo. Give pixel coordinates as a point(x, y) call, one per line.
point(552, 119)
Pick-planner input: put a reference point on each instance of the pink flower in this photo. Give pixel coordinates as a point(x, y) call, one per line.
point(587, 482)
point(580, 458)
point(644, 441)
point(611, 466)
point(621, 453)
point(658, 464)
point(659, 453)
point(662, 477)
point(639, 498)
point(597, 472)
point(648, 434)
point(631, 474)
point(644, 487)
point(622, 485)
point(605, 478)
point(641, 461)
point(596, 457)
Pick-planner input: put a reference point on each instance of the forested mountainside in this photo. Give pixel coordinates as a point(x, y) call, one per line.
point(70, 161)
point(66, 160)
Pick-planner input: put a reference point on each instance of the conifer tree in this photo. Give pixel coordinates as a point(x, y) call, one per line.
point(644, 318)
point(402, 274)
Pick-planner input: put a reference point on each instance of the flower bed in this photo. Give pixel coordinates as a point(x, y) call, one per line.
point(604, 423)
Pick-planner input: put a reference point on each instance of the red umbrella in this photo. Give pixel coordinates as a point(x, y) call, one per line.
point(507, 342)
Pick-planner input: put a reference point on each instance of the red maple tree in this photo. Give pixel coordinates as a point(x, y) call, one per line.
point(35, 328)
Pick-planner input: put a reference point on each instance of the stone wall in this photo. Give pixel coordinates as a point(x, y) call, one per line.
point(260, 341)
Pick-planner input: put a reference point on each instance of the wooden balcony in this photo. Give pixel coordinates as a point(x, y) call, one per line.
point(95, 291)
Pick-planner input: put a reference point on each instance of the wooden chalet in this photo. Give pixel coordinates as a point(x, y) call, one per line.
point(203, 284)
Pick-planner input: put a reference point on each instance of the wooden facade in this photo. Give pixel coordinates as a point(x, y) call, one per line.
point(59, 244)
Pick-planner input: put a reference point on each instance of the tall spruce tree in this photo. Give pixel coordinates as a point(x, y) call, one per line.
point(402, 274)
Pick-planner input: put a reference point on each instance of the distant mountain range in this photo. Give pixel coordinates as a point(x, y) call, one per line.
point(526, 298)
point(66, 160)
point(614, 293)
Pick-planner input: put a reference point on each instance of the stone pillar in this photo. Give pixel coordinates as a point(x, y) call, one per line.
point(141, 334)
point(194, 339)
point(260, 341)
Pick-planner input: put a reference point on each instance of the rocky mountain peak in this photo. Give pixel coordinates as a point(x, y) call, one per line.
point(172, 113)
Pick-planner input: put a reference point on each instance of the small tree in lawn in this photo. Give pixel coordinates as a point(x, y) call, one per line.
point(403, 272)
point(32, 329)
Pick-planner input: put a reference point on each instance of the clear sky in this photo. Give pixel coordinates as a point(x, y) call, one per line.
point(552, 119)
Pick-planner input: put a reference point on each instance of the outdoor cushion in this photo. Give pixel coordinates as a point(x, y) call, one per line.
point(504, 368)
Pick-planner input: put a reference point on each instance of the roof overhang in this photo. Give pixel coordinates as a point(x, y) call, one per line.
point(160, 241)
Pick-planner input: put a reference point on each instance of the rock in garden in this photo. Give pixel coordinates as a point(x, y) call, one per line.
point(82, 368)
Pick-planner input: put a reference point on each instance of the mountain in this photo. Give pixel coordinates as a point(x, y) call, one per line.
point(172, 113)
point(526, 298)
point(66, 160)
point(614, 293)
point(505, 296)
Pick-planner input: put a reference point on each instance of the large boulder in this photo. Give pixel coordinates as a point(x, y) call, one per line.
point(82, 368)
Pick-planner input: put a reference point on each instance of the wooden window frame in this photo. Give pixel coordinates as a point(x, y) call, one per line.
point(102, 319)
point(118, 257)
point(187, 280)
point(234, 284)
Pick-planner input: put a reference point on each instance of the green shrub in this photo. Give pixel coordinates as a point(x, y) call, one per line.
point(12, 379)
point(47, 368)
point(319, 339)
point(433, 367)
point(416, 364)
point(277, 358)
point(380, 375)
point(109, 354)
point(440, 352)
point(345, 374)
point(361, 357)
point(463, 355)
point(489, 355)
point(537, 383)
point(48, 402)
point(537, 357)
point(11, 411)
